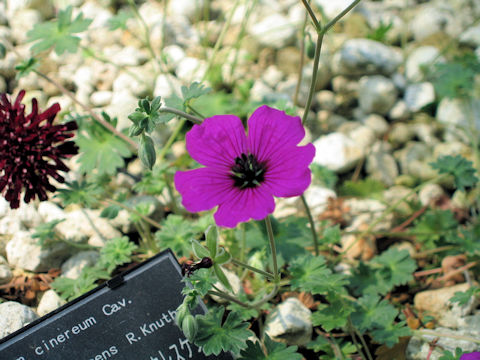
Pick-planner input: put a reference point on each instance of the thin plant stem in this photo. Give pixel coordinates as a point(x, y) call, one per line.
point(355, 342)
point(312, 224)
point(317, 25)
point(426, 332)
point(92, 224)
point(77, 245)
point(192, 118)
point(170, 192)
point(129, 209)
point(273, 249)
point(267, 298)
point(254, 269)
point(364, 344)
point(171, 140)
point(302, 61)
point(228, 297)
point(339, 16)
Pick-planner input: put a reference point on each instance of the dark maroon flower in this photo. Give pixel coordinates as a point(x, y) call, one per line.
point(31, 149)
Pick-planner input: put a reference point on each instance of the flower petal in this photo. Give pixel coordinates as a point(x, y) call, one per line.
point(243, 205)
point(203, 188)
point(270, 130)
point(288, 173)
point(217, 141)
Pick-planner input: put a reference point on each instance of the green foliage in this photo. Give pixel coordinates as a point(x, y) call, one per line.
point(292, 235)
point(331, 235)
point(3, 51)
point(215, 337)
point(456, 78)
point(310, 273)
point(324, 176)
point(379, 276)
point(83, 193)
point(463, 297)
point(202, 281)
point(335, 314)
point(146, 151)
point(365, 188)
point(59, 33)
point(194, 91)
point(333, 349)
point(147, 115)
point(460, 168)
point(153, 181)
point(177, 232)
point(101, 150)
point(45, 233)
point(69, 289)
point(378, 317)
point(119, 21)
point(26, 67)
point(380, 33)
point(274, 351)
point(436, 228)
point(116, 251)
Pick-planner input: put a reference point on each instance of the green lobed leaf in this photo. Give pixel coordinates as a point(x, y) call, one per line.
point(79, 192)
point(195, 90)
point(333, 315)
point(25, 67)
point(45, 233)
point(214, 337)
point(274, 351)
point(119, 21)
point(447, 355)
point(115, 252)
point(70, 289)
point(460, 168)
point(202, 280)
point(463, 297)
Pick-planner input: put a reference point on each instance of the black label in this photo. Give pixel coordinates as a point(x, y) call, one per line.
point(130, 317)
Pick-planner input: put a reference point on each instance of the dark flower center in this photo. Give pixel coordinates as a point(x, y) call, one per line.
point(247, 172)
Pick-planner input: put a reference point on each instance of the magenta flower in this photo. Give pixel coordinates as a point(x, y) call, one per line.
point(31, 149)
point(243, 173)
point(471, 356)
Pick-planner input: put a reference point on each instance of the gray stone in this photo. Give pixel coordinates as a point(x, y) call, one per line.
point(186, 8)
point(5, 272)
point(49, 302)
point(431, 19)
point(364, 56)
point(430, 193)
point(364, 211)
point(363, 136)
point(27, 214)
point(419, 95)
point(101, 98)
point(426, 132)
point(377, 123)
point(290, 322)
point(471, 36)
point(4, 207)
point(457, 115)
point(337, 152)
point(317, 198)
point(24, 252)
point(414, 160)
point(173, 55)
point(419, 60)
point(275, 31)
point(191, 69)
point(22, 21)
point(377, 94)
point(123, 103)
point(333, 8)
point(419, 347)
point(74, 265)
point(50, 211)
point(381, 166)
point(138, 86)
point(400, 133)
point(166, 85)
point(14, 316)
point(272, 76)
point(325, 99)
point(402, 195)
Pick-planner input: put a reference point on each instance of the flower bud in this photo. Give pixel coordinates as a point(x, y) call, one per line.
point(189, 326)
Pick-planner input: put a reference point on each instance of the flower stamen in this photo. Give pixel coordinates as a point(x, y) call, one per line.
point(247, 171)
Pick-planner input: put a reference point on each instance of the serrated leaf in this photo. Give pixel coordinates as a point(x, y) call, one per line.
point(115, 252)
point(214, 337)
point(26, 67)
point(202, 280)
point(463, 297)
point(195, 90)
point(119, 21)
point(58, 33)
point(274, 351)
point(311, 274)
point(333, 315)
point(460, 168)
point(176, 234)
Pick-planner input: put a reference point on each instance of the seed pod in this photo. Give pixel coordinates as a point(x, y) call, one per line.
point(189, 326)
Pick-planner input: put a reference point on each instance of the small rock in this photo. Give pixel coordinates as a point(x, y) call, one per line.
point(290, 322)
point(21, 22)
point(325, 100)
point(456, 115)
point(364, 56)
point(101, 98)
point(423, 56)
point(5, 272)
point(414, 160)
point(274, 31)
point(49, 211)
point(14, 316)
point(166, 85)
point(173, 55)
point(337, 152)
point(49, 302)
point(272, 76)
point(471, 36)
point(376, 123)
point(138, 87)
point(429, 193)
point(400, 134)
point(432, 19)
point(333, 8)
point(28, 215)
point(419, 95)
point(381, 166)
point(317, 198)
point(191, 69)
point(377, 94)
point(186, 8)
point(24, 252)
point(4, 207)
point(123, 103)
point(394, 194)
point(73, 266)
